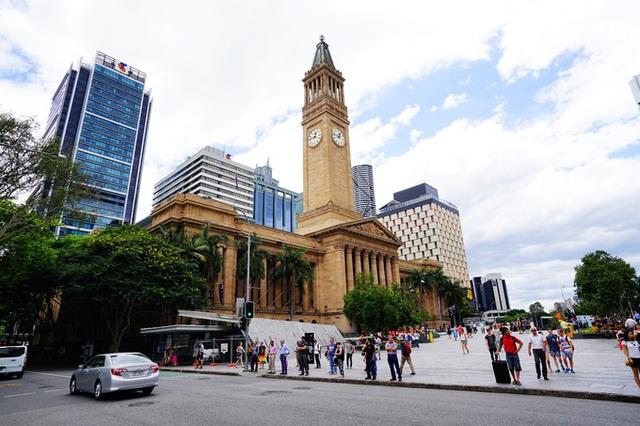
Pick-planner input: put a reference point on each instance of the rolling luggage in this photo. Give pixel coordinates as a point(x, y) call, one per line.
point(501, 371)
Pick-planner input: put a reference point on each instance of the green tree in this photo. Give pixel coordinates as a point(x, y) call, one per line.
point(120, 270)
point(516, 314)
point(536, 310)
point(606, 284)
point(295, 269)
point(430, 282)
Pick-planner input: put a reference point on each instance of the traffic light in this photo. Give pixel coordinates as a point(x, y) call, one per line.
point(248, 310)
point(243, 323)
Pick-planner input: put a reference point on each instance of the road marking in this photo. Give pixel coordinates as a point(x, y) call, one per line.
point(47, 374)
point(20, 394)
point(56, 390)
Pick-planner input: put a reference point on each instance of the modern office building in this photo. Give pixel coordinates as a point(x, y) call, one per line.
point(490, 293)
point(429, 228)
point(364, 197)
point(100, 112)
point(273, 206)
point(210, 173)
point(635, 88)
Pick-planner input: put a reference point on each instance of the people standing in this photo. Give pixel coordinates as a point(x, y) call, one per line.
point(331, 353)
point(199, 354)
point(316, 353)
point(254, 352)
point(284, 352)
point(631, 349)
point(303, 356)
point(455, 334)
point(392, 359)
point(240, 355)
point(449, 332)
point(464, 342)
point(512, 346)
point(566, 350)
point(377, 343)
point(340, 358)
point(272, 353)
point(537, 345)
point(369, 352)
point(349, 349)
point(406, 356)
point(554, 350)
point(490, 339)
point(262, 355)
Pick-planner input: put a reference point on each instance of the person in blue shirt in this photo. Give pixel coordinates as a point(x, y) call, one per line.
point(284, 351)
point(331, 354)
point(392, 359)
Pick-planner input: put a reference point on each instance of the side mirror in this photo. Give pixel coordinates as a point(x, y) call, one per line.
point(80, 366)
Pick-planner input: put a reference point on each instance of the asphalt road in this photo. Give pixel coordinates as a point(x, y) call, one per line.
point(41, 398)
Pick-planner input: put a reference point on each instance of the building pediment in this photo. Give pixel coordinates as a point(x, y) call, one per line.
point(369, 228)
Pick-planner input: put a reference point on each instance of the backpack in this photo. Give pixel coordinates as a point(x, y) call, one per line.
point(406, 348)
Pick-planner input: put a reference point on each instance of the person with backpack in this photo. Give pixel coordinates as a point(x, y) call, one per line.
point(512, 346)
point(406, 356)
point(566, 350)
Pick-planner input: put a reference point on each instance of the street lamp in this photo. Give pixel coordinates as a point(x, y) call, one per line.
point(247, 294)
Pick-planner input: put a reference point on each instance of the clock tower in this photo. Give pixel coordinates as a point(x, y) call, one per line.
point(328, 191)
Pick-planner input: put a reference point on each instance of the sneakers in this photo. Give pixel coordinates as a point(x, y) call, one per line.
point(392, 380)
point(413, 373)
point(573, 372)
point(399, 379)
point(558, 370)
point(546, 378)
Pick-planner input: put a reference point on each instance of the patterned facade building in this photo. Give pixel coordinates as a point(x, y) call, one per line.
point(364, 195)
point(429, 228)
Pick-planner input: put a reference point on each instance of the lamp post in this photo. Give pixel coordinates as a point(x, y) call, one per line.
point(247, 291)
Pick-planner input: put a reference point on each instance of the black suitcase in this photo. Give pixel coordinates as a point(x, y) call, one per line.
point(501, 371)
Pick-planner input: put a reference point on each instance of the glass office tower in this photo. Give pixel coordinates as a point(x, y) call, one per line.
point(273, 206)
point(101, 115)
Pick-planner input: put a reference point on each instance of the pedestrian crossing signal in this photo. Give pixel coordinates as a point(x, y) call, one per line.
point(248, 310)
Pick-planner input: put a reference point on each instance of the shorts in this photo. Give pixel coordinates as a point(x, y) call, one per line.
point(567, 354)
point(513, 362)
point(635, 363)
point(554, 353)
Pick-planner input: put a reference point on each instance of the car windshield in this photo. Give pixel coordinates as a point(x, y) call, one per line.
point(11, 352)
point(129, 359)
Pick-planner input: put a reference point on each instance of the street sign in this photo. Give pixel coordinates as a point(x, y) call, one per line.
point(224, 348)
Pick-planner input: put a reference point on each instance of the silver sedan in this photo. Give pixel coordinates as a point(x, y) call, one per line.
point(106, 373)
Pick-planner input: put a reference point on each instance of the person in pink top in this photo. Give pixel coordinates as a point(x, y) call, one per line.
point(272, 354)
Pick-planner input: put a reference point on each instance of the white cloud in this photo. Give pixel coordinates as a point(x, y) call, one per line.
point(414, 135)
point(451, 101)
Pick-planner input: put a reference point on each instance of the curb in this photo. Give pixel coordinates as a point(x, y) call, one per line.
point(212, 372)
point(601, 396)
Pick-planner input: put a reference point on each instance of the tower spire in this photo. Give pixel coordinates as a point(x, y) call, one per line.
point(322, 55)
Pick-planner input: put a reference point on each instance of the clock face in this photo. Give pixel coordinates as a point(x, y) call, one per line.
point(338, 137)
point(314, 138)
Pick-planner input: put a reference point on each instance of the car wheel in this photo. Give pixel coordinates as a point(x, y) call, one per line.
point(20, 374)
point(97, 390)
point(147, 391)
point(73, 386)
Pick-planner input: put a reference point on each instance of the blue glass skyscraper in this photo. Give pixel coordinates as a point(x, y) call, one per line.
point(100, 113)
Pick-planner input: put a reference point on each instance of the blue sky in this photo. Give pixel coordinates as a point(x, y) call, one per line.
point(530, 129)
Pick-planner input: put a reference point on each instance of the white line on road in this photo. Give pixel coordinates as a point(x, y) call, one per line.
point(47, 374)
point(20, 394)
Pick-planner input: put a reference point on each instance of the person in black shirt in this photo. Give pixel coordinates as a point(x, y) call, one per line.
point(302, 350)
point(369, 353)
point(491, 344)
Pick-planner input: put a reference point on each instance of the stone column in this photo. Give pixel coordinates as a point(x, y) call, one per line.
point(349, 254)
point(366, 268)
point(263, 285)
point(314, 286)
point(358, 261)
point(374, 268)
point(396, 270)
point(381, 276)
point(229, 269)
point(387, 270)
point(306, 297)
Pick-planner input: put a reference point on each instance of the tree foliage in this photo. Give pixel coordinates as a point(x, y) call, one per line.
point(606, 284)
point(120, 270)
point(295, 270)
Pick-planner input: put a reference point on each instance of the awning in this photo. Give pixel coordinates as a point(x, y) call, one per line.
point(209, 316)
point(182, 328)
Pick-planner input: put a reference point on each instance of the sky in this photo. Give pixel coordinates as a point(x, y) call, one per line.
point(520, 113)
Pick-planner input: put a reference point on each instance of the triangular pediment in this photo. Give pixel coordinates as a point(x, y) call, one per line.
point(368, 227)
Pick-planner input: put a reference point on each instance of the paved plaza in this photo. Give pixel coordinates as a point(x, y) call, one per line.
point(599, 367)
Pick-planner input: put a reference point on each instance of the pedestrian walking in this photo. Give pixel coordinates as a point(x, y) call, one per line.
point(240, 355)
point(284, 352)
point(490, 339)
point(406, 356)
point(303, 356)
point(262, 355)
point(377, 343)
point(464, 342)
point(369, 353)
point(254, 351)
point(455, 334)
point(449, 332)
point(272, 354)
point(512, 346)
point(566, 350)
point(631, 349)
point(199, 354)
point(553, 345)
point(340, 358)
point(392, 358)
point(316, 353)
point(537, 345)
point(330, 354)
point(349, 349)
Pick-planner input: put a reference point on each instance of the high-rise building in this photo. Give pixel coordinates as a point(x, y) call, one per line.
point(490, 293)
point(364, 196)
point(273, 206)
point(210, 173)
point(429, 228)
point(635, 88)
point(100, 113)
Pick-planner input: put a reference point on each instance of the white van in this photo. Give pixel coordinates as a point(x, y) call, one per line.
point(13, 360)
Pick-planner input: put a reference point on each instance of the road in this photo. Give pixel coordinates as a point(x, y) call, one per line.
point(41, 398)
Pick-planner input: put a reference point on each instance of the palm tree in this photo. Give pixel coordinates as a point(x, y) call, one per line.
point(255, 259)
point(454, 294)
point(205, 248)
point(430, 281)
point(295, 269)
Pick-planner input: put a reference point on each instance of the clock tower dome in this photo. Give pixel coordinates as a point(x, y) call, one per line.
point(328, 191)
